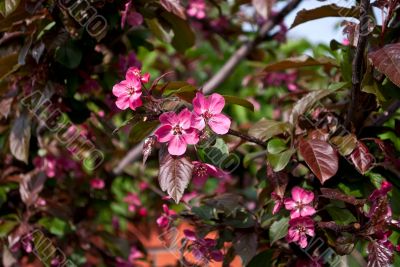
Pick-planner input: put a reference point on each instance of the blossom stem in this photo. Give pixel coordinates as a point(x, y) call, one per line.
point(247, 138)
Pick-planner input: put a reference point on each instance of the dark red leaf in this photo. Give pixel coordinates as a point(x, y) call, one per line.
point(379, 254)
point(174, 175)
point(387, 61)
point(361, 158)
point(148, 147)
point(321, 157)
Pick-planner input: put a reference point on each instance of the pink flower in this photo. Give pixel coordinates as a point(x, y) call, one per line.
point(383, 191)
point(196, 9)
point(133, 201)
point(299, 204)
point(208, 111)
point(299, 228)
point(164, 220)
point(345, 42)
point(201, 171)
point(177, 130)
point(278, 202)
point(128, 92)
point(138, 74)
point(203, 249)
point(97, 183)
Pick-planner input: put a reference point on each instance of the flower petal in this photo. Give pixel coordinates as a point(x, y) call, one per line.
point(200, 104)
point(216, 103)
point(290, 204)
point(307, 211)
point(184, 118)
point(169, 118)
point(191, 136)
point(122, 102)
point(308, 197)
point(177, 146)
point(303, 241)
point(120, 89)
point(164, 133)
point(198, 122)
point(135, 102)
point(298, 194)
point(219, 123)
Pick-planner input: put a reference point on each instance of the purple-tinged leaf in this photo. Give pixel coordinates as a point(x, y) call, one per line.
point(278, 180)
point(174, 6)
point(245, 245)
point(379, 254)
point(321, 157)
point(174, 175)
point(31, 186)
point(361, 158)
point(387, 61)
point(20, 137)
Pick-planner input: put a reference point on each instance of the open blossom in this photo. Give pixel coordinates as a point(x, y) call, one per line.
point(197, 9)
point(201, 171)
point(299, 204)
point(128, 92)
point(208, 111)
point(144, 78)
point(164, 220)
point(203, 249)
point(299, 228)
point(177, 130)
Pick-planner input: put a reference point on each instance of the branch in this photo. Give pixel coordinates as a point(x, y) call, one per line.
point(387, 114)
point(246, 48)
point(358, 68)
point(351, 228)
point(225, 71)
point(247, 138)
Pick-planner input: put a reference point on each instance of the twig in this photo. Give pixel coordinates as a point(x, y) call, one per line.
point(358, 61)
point(225, 71)
point(351, 228)
point(246, 137)
point(246, 48)
point(387, 114)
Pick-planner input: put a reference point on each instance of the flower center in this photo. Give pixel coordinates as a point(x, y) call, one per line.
point(301, 228)
point(201, 170)
point(177, 130)
point(207, 115)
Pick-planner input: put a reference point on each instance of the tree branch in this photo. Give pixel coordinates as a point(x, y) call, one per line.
point(224, 72)
point(358, 63)
point(247, 138)
point(246, 48)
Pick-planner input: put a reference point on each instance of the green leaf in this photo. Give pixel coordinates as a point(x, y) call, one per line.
point(279, 161)
point(238, 101)
point(8, 6)
point(56, 226)
point(341, 216)
point(278, 230)
point(158, 30)
point(266, 129)
point(262, 259)
point(276, 146)
point(323, 12)
point(345, 144)
point(141, 130)
point(249, 157)
point(69, 55)
point(203, 212)
point(184, 37)
point(6, 226)
point(300, 62)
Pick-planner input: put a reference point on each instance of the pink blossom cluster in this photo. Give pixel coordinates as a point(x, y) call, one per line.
point(134, 204)
point(54, 166)
point(300, 224)
point(203, 249)
point(282, 79)
point(129, 91)
point(182, 129)
point(197, 9)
